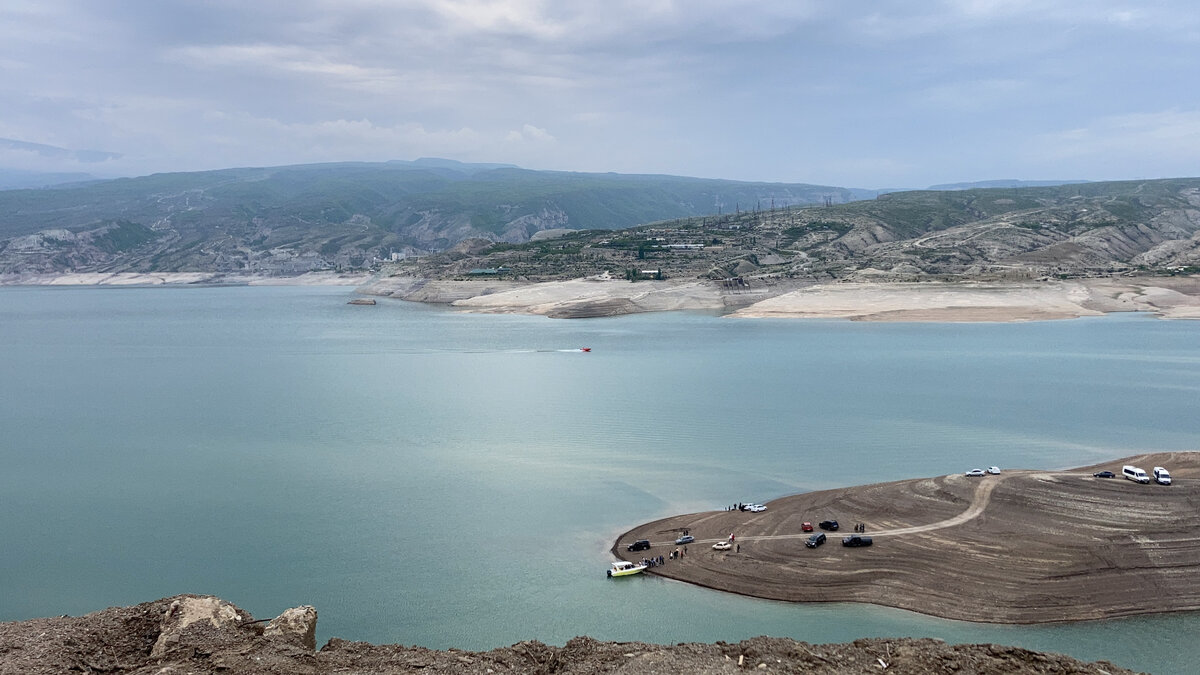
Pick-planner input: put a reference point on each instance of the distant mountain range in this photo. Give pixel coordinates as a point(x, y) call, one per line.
point(291, 219)
point(1004, 183)
point(358, 216)
point(15, 179)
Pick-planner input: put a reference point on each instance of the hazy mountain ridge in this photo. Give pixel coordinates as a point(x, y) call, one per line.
point(1003, 183)
point(286, 220)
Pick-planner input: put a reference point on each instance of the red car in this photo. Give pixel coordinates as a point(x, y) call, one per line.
point(807, 527)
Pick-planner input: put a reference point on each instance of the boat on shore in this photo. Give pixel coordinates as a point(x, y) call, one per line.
point(624, 568)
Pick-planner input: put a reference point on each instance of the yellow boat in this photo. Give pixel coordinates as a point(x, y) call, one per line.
point(623, 568)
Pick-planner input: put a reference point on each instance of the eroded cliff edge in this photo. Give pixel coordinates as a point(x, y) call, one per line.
point(203, 634)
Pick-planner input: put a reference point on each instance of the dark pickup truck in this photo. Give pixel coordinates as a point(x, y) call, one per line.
point(856, 540)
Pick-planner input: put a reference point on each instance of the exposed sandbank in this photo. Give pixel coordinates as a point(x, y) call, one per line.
point(1020, 547)
point(1167, 297)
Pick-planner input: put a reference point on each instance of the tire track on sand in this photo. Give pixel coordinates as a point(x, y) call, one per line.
point(979, 503)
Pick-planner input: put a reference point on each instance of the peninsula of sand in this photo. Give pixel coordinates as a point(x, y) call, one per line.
point(1017, 547)
point(1167, 297)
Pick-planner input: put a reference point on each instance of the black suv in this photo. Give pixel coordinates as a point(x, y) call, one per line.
point(815, 540)
point(830, 525)
point(856, 540)
point(639, 545)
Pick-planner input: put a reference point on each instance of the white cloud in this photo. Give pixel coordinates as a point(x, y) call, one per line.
point(1147, 144)
point(735, 88)
point(529, 133)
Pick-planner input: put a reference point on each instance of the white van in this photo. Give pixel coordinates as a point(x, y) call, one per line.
point(1161, 476)
point(1135, 474)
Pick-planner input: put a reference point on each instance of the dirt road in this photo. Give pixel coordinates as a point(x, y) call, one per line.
point(1021, 547)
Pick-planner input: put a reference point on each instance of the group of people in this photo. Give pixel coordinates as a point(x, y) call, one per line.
point(860, 527)
point(653, 562)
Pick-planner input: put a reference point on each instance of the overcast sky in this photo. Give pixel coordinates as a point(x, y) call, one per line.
point(851, 93)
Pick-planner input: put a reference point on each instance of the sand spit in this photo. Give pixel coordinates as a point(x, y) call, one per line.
point(1167, 297)
point(1020, 547)
point(577, 298)
point(181, 279)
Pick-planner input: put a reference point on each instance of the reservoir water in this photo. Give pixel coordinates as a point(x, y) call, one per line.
point(429, 477)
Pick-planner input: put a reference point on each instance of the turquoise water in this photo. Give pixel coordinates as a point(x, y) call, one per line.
point(428, 477)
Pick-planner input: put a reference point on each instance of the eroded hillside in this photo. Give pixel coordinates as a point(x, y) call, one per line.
point(1080, 230)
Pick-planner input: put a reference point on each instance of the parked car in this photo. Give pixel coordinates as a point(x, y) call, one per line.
point(856, 540)
point(685, 539)
point(815, 540)
point(831, 525)
point(806, 527)
point(1104, 474)
point(975, 473)
point(757, 508)
point(639, 545)
point(994, 470)
point(722, 546)
point(1134, 474)
point(1161, 476)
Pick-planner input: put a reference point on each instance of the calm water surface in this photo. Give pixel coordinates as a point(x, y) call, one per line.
point(428, 477)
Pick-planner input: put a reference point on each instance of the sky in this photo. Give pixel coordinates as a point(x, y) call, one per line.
point(871, 94)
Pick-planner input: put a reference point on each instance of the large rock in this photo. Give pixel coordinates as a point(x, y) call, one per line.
point(297, 623)
point(186, 611)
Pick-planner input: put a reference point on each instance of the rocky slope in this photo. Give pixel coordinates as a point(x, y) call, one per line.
point(203, 634)
point(1067, 231)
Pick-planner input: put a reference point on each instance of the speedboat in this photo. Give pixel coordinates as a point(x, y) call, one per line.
point(624, 568)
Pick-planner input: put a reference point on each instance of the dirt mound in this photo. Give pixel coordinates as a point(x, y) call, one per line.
point(119, 641)
point(1019, 547)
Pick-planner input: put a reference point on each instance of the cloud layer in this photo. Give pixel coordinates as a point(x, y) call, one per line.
point(870, 94)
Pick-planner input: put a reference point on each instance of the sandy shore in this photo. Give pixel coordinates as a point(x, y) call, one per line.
point(1019, 547)
point(1167, 297)
point(181, 278)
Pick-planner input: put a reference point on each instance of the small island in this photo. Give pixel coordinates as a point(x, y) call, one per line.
point(1020, 546)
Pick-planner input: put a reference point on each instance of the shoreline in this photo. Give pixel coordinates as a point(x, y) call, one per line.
point(924, 301)
point(182, 279)
point(1022, 547)
point(958, 301)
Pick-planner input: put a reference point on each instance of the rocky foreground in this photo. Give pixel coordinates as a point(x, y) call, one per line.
point(204, 634)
